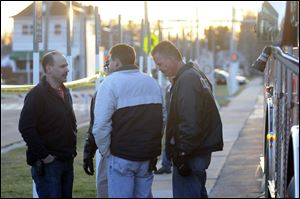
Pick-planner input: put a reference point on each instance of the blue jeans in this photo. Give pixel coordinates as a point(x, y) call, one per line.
point(166, 164)
point(128, 179)
point(57, 180)
point(192, 186)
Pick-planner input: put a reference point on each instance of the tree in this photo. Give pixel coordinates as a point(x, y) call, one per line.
point(248, 44)
point(6, 43)
point(221, 36)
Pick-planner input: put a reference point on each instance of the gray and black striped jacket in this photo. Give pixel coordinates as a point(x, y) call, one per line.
point(129, 115)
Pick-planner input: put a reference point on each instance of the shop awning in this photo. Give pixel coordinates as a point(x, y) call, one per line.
point(23, 55)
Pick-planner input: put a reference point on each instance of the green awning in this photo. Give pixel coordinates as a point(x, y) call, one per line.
point(23, 55)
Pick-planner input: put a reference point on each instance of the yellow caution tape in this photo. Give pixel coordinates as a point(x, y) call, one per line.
point(85, 82)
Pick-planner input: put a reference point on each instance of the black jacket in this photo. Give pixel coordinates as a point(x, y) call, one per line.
point(90, 146)
point(47, 124)
point(194, 121)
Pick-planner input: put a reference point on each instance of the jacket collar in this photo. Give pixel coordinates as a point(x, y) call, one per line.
point(182, 69)
point(127, 67)
point(46, 84)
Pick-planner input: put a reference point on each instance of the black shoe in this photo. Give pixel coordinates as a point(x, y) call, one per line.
point(162, 170)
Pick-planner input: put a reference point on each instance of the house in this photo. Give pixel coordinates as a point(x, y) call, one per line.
point(82, 43)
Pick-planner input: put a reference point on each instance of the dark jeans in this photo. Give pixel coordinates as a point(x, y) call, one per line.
point(166, 164)
point(192, 186)
point(57, 180)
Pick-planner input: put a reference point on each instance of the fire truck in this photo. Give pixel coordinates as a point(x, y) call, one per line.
point(278, 27)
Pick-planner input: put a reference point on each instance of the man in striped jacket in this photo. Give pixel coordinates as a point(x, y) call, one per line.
point(128, 124)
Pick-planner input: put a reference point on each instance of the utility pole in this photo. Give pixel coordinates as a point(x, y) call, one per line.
point(142, 56)
point(110, 36)
point(234, 64)
point(177, 41)
point(69, 29)
point(159, 31)
point(191, 50)
point(212, 73)
point(232, 31)
point(184, 46)
point(147, 28)
point(48, 7)
point(83, 48)
point(98, 38)
point(120, 30)
point(37, 37)
point(197, 37)
point(159, 73)
point(28, 69)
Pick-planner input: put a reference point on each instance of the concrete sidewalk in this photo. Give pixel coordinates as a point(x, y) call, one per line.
point(234, 117)
point(241, 176)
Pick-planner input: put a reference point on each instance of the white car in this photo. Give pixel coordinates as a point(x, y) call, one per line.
point(221, 77)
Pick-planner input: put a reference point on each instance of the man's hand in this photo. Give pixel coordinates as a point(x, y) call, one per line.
point(47, 160)
point(88, 166)
point(182, 164)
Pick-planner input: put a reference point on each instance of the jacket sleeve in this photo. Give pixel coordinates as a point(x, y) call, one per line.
point(90, 146)
point(105, 106)
point(28, 124)
point(164, 110)
point(189, 104)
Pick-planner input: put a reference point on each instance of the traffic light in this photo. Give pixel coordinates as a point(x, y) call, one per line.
point(234, 57)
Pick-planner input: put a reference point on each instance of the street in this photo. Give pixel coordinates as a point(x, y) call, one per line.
point(11, 106)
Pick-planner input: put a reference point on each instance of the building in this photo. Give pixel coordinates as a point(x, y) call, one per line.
point(55, 37)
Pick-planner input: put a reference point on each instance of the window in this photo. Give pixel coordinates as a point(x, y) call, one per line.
point(57, 29)
point(31, 29)
point(25, 30)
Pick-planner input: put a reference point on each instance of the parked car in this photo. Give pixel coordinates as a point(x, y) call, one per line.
point(221, 77)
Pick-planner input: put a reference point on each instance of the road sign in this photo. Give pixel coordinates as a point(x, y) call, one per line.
point(154, 42)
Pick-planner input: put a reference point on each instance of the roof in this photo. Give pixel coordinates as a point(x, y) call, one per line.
point(57, 8)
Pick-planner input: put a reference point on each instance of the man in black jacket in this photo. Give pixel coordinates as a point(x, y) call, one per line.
point(48, 126)
point(90, 147)
point(89, 151)
point(194, 127)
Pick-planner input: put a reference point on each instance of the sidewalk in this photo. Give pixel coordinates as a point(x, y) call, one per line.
point(234, 117)
point(240, 176)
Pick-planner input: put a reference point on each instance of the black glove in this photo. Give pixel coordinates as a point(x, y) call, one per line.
point(152, 165)
point(88, 166)
point(181, 162)
point(88, 154)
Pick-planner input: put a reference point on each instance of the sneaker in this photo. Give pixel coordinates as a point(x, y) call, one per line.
point(162, 170)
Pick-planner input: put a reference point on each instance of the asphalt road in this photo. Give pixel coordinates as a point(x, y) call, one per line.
point(11, 106)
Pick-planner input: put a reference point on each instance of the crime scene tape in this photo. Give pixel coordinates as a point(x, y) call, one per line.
point(85, 82)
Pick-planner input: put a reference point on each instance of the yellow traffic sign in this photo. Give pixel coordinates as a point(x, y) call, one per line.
point(154, 41)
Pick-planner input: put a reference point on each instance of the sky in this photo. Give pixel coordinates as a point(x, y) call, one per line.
point(206, 12)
